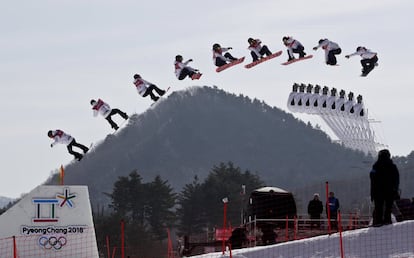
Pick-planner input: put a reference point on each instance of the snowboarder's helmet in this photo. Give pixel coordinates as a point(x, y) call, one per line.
point(178, 58)
point(93, 102)
point(359, 48)
point(216, 46)
point(285, 39)
point(321, 40)
point(250, 40)
point(50, 133)
point(137, 76)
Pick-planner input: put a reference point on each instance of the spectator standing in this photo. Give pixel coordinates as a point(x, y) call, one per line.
point(385, 180)
point(315, 209)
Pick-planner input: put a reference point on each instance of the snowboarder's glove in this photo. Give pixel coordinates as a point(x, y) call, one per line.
point(315, 48)
point(51, 145)
point(190, 60)
point(230, 48)
point(347, 56)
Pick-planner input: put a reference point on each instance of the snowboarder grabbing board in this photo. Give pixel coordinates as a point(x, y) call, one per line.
point(369, 59)
point(293, 46)
point(331, 50)
point(221, 59)
point(182, 69)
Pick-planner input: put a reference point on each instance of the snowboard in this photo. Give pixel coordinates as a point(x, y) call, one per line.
point(297, 59)
point(263, 59)
point(196, 76)
point(233, 63)
point(364, 74)
point(153, 103)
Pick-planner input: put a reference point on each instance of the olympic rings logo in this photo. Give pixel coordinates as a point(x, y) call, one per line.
point(52, 242)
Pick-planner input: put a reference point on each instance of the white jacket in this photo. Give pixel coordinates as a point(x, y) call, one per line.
point(291, 44)
point(220, 54)
point(327, 45)
point(179, 66)
point(256, 48)
point(61, 137)
point(364, 53)
point(141, 85)
point(102, 108)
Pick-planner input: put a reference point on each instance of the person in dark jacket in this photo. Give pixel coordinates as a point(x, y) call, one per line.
point(238, 238)
point(315, 209)
point(385, 181)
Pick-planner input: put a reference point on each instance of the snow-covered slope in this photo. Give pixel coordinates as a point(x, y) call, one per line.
point(394, 241)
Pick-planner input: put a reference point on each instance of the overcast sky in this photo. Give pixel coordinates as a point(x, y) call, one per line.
point(57, 55)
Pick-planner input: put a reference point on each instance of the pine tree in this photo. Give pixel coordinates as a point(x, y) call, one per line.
point(191, 210)
point(226, 180)
point(201, 206)
point(161, 201)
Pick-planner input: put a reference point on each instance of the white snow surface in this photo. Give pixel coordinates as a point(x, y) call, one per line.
point(393, 241)
point(269, 188)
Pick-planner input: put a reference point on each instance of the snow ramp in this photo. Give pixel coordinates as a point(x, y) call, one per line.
point(50, 221)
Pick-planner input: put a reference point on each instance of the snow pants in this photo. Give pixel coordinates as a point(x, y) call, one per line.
point(382, 211)
point(77, 155)
point(299, 50)
point(113, 112)
point(263, 51)
point(331, 56)
point(368, 64)
point(221, 61)
point(186, 72)
point(315, 221)
point(152, 95)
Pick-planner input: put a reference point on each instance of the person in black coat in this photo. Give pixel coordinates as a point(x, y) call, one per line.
point(385, 180)
point(315, 209)
point(238, 238)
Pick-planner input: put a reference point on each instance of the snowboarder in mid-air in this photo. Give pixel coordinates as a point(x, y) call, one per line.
point(61, 137)
point(293, 46)
point(182, 70)
point(145, 88)
point(369, 59)
point(101, 107)
point(331, 49)
point(257, 50)
point(218, 57)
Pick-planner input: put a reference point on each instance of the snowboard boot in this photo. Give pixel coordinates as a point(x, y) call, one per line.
point(78, 156)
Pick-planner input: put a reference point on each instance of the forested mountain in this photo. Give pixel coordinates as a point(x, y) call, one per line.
point(190, 131)
point(4, 201)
